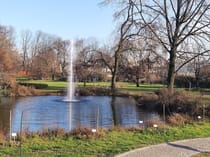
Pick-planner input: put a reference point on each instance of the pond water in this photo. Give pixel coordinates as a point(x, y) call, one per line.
point(42, 112)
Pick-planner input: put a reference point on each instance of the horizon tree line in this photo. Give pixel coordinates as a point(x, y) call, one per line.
point(151, 34)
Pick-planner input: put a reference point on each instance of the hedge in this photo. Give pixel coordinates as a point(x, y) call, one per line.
point(35, 85)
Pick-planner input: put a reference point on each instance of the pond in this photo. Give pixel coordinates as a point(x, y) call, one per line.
point(43, 112)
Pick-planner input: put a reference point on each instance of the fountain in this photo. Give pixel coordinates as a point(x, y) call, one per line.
point(71, 85)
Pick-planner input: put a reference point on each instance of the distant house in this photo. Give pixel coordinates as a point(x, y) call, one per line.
point(205, 71)
point(24, 73)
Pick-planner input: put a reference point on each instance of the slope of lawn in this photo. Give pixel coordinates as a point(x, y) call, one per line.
point(101, 143)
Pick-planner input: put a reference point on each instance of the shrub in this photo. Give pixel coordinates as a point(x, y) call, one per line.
point(148, 101)
point(2, 137)
point(187, 81)
point(86, 133)
point(184, 81)
point(179, 119)
point(94, 91)
point(49, 133)
point(34, 85)
point(14, 89)
point(207, 111)
point(84, 92)
point(150, 123)
point(23, 91)
point(58, 132)
point(180, 102)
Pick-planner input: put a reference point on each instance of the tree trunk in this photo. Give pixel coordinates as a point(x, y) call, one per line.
point(113, 81)
point(171, 71)
point(137, 77)
point(84, 83)
point(115, 71)
point(53, 76)
point(197, 82)
point(137, 83)
point(197, 78)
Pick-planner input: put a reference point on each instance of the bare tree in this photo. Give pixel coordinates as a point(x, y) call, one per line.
point(9, 58)
point(174, 24)
point(44, 57)
point(128, 30)
point(198, 64)
point(86, 62)
point(8, 51)
point(61, 48)
point(26, 37)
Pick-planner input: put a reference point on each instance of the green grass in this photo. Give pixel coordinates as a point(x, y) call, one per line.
point(53, 86)
point(94, 84)
point(113, 142)
point(124, 87)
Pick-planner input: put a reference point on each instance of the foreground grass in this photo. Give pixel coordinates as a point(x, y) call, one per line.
point(111, 143)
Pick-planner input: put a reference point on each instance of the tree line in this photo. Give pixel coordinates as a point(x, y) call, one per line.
point(154, 41)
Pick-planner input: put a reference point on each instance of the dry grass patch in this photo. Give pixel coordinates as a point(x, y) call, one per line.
point(179, 119)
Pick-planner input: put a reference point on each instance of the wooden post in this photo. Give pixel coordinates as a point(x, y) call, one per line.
point(97, 121)
point(164, 113)
point(203, 112)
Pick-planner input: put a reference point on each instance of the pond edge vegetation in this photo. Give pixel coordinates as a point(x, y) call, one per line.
point(103, 142)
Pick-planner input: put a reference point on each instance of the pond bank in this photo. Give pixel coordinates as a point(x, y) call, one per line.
point(100, 143)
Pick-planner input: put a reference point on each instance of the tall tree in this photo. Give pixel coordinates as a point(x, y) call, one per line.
point(26, 37)
point(127, 32)
point(87, 66)
point(174, 24)
point(8, 51)
point(61, 49)
point(44, 57)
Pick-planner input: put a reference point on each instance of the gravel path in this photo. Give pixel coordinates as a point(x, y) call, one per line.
point(185, 148)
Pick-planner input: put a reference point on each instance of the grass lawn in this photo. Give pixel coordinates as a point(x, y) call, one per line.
point(53, 86)
point(123, 87)
point(109, 144)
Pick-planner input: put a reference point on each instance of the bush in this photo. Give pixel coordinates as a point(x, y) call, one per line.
point(49, 133)
point(59, 132)
point(14, 89)
point(35, 85)
point(94, 91)
point(19, 90)
point(147, 101)
point(179, 119)
point(184, 81)
point(86, 133)
point(180, 102)
point(150, 123)
point(2, 137)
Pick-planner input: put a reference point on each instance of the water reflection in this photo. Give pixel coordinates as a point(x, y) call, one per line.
point(44, 112)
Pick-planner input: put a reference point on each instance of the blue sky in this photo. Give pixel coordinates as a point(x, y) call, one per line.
point(65, 18)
